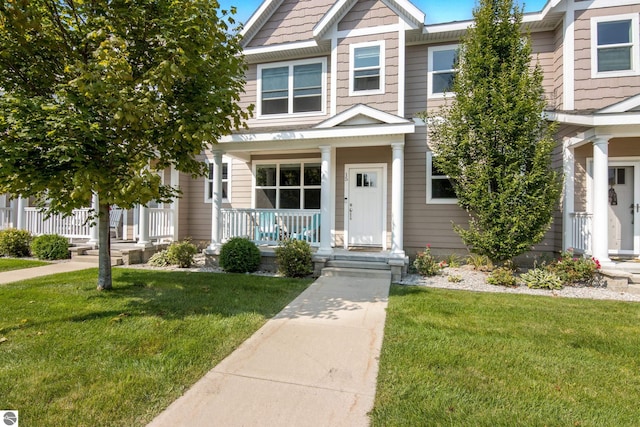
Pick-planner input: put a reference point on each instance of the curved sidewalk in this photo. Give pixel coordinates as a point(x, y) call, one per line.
point(314, 364)
point(45, 270)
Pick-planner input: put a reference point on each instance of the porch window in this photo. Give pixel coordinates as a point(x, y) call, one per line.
point(367, 68)
point(226, 181)
point(439, 187)
point(287, 185)
point(296, 87)
point(441, 70)
point(614, 45)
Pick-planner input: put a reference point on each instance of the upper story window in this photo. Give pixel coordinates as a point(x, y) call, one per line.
point(291, 88)
point(614, 45)
point(441, 72)
point(366, 68)
point(439, 187)
point(226, 181)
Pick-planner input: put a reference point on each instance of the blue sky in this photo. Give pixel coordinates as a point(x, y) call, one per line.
point(436, 11)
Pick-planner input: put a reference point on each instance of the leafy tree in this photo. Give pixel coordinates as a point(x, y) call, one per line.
point(97, 95)
point(492, 141)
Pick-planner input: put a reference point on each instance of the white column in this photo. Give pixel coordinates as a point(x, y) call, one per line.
point(569, 198)
point(93, 228)
point(175, 183)
point(600, 232)
point(325, 201)
point(143, 227)
point(22, 203)
point(397, 200)
point(216, 205)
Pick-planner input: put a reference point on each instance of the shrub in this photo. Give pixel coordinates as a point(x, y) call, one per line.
point(456, 278)
point(294, 258)
point(453, 260)
point(502, 276)
point(574, 270)
point(182, 253)
point(160, 259)
point(239, 255)
point(540, 278)
point(426, 264)
point(480, 262)
point(50, 246)
point(15, 242)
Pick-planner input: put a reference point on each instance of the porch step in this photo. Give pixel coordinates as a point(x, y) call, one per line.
point(93, 259)
point(370, 257)
point(356, 272)
point(375, 265)
point(629, 267)
point(634, 288)
point(634, 279)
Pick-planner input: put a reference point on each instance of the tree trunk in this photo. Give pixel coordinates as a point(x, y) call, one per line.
point(104, 248)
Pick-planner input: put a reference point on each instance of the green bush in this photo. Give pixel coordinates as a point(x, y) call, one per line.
point(15, 242)
point(239, 255)
point(502, 276)
point(294, 258)
point(539, 278)
point(574, 270)
point(182, 253)
point(426, 264)
point(160, 259)
point(50, 246)
point(480, 262)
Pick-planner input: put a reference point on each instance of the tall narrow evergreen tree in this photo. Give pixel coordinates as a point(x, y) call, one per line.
point(492, 140)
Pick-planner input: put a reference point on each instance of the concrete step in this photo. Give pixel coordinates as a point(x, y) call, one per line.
point(634, 289)
point(634, 278)
point(364, 257)
point(93, 259)
point(96, 252)
point(359, 264)
point(356, 272)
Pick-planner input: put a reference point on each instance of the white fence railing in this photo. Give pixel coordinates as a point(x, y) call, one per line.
point(75, 226)
point(581, 232)
point(5, 218)
point(160, 223)
point(268, 226)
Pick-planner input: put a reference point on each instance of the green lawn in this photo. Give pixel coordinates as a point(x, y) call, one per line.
point(8, 264)
point(78, 357)
point(480, 359)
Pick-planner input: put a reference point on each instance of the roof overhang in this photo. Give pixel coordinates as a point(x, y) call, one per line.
point(596, 119)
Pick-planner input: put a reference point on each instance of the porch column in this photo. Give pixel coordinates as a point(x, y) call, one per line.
point(600, 232)
point(22, 203)
point(397, 198)
point(569, 196)
point(143, 227)
point(175, 204)
point(325, 201)
point(216, 205)
point(93, 227)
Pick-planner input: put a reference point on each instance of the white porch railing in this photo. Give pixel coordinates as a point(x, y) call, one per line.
point(581, 232)
point(75, 226)
point(5, 218)
point(268, 226)
point(160, 223)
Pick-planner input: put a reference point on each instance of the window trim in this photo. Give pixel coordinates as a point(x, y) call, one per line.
point(277, 187)
point(431, 72)
point(635, 46)
point(430, 199)
point(352, 49)
point(208, 181)
point(290, 88)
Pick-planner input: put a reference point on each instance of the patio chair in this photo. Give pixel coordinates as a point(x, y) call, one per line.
point(309, 233)
point(267, 229)
point(115, 218)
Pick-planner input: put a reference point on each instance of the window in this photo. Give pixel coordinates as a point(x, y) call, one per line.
point(226, 181)
point(614, 45)
point(290, 185)
point(441, 70)
point(292, 88)
point(367, 68)
point(439, 187)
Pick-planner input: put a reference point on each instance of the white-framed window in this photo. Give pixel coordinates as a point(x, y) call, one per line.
point(439, 187)
point(226, 181)
point(441, 70)
point(296, 87)
point(366, 68)
point(287, 184)
point(615, 50)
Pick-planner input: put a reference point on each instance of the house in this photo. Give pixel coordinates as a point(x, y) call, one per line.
point(335, 154)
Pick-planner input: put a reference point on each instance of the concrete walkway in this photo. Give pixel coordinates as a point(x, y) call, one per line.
point(314, 364)
point(45, 270)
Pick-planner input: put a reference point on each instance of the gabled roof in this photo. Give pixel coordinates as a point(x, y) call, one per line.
point(631, 104)
point(258, 19)
point(360, 115)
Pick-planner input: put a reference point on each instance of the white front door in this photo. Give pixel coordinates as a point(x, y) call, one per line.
point(622, 209)
point(365, 205)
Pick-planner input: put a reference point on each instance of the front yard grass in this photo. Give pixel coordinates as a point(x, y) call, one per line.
point(75, 356)
point(466, 358)
point(8, 264)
